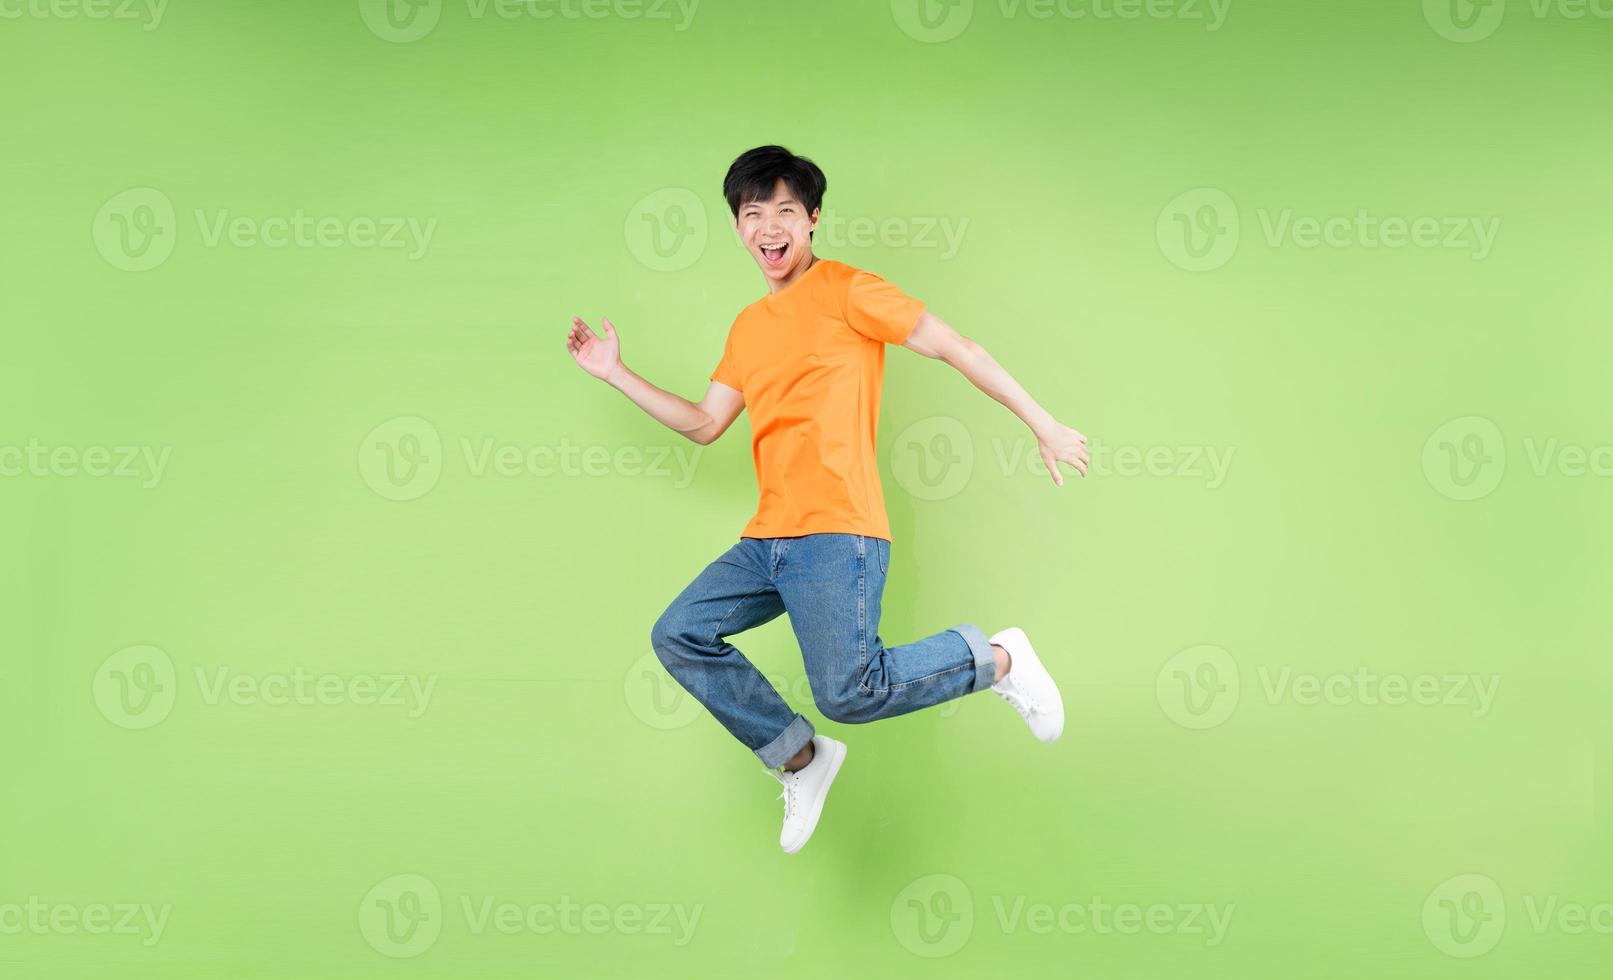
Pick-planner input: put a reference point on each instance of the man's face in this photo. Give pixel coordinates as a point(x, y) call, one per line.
point(781, 221)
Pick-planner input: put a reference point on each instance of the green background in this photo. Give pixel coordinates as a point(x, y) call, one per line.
point(572, 165)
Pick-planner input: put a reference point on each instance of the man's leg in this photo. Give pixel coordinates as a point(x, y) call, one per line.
point(831, 585)
point(733, 594)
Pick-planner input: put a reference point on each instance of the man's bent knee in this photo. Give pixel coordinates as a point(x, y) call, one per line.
point(847, 707)
point(664, 638)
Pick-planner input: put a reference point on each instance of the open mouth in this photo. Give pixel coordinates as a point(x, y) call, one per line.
point(773, 255)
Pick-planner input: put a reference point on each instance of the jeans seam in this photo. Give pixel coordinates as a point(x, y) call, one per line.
point(917, 680)
point(718, 631)
point(862, 616)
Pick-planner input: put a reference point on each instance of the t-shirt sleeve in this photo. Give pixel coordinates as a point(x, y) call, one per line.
point(727, 370)
point(878, 310)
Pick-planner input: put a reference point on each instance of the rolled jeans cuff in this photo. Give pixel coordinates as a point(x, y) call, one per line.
point(985, 660)
point(792, 740)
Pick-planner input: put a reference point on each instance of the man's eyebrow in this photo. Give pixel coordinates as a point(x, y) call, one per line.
point(787, 200)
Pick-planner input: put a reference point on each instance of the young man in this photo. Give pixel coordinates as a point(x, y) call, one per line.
point(807, 360)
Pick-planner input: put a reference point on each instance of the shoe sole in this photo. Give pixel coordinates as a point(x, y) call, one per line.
point(817, 805)
point(1022, 643)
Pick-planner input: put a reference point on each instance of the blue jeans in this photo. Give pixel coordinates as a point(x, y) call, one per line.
point(831, 585)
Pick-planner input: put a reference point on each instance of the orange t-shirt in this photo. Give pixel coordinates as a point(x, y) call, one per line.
point(809, 360)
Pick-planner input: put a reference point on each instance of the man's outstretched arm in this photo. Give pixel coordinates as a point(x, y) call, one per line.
point(932, 337)
point(700, 422)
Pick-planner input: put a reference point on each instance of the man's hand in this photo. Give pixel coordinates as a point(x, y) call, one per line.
point(599, 356)
point(1059, 442)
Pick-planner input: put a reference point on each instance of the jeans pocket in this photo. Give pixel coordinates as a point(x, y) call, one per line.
point(882, 549)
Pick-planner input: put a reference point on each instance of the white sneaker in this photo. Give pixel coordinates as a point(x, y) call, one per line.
point(1029, 687)
point(805, 789)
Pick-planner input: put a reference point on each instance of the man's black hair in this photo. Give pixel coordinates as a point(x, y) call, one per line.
point(753, 174)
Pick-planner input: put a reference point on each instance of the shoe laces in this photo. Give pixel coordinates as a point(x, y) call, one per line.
point(1022, 700)
point(790, 782)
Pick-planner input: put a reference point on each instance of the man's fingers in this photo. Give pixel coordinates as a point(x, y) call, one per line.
point(1051, 462)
